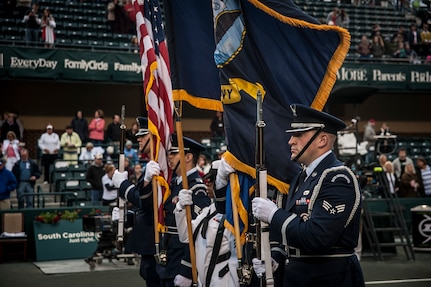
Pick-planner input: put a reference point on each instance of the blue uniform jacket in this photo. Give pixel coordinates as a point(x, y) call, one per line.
point(324, 213)
point(320, 226)
point(141, 239)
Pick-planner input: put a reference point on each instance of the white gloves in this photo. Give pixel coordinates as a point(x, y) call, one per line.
point(119, 177)
point(184, 198)
point(263, 209)
point(182, 281)
point(258, 267)
point(115, 214)
point(274, 265)
point(151, 169)
point(223, 172)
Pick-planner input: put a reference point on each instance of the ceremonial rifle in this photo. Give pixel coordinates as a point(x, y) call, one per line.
point(185, 184)
point(263, 249)
point(121, 202)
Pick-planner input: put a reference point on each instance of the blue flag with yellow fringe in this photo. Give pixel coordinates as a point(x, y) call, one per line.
point(228, 50)
point(273, 47)
point(194, 75)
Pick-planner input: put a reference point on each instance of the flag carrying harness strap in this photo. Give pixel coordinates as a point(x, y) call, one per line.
point(216, 249)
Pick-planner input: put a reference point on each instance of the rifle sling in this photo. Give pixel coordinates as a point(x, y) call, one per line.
point(216, 250)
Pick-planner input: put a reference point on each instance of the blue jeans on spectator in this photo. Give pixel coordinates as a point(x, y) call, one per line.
point(32, 36)
point(96, 196)
point(23, 188)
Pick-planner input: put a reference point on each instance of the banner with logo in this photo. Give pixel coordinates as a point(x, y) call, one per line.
point(108, 66)
point(63, 240)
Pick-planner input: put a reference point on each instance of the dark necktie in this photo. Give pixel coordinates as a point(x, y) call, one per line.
point(301, 179)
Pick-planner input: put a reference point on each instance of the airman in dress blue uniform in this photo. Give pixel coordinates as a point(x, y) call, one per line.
point(141, 239)
point(177, 271)
point(319, 224)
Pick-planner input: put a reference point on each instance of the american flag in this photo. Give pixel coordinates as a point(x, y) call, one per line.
point(156, 80)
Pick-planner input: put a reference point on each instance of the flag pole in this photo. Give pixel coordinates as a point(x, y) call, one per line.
point(121, 202)
point(155, 205)
point(186, 186)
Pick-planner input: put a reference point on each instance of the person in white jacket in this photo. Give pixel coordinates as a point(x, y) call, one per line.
point(216, 262)
point(10, 148)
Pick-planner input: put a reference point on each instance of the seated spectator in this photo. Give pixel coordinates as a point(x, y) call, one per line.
point(131, 153)
point(426, 40)
point(377, 46)
point(400, 52)
point(87, 156)
point(363, 48)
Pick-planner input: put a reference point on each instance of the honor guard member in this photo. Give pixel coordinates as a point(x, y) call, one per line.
point(251, 276)
point(217, 262)
point(141, 239)
point(178, 271)
point(320, 222)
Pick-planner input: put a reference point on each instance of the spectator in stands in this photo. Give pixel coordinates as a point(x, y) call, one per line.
point(96, 128)
point(32, 25)
point(400, 35)
point(127, 166)
point(131, 153)
point(375, 29)
point(10, 125)
point(426, 40)
point(49, 144)
point(8, 183)
point(400, 162)
point(137, 172)
point(414, 39)
point(217, 125)
point(87, 156)
point(71, 144)
point(20, 124)
point(113, 131)
point(110, 192)
point(110, 15)
point(130, 11)
point(117, 18)
point(411, 54)
point(370, 137)
point(110, 155)
point(48, 25)
point(202, 165)
point(4, 117)
point(364, 48)
point(384, 129)
point(424, 176)
point(80, 126)
point(344, 19)
point(400, 51)
point(393, 183)
point(377, 46)
point(130, 133)
point(26, 172)
point(333, 17)
point(135, 44)
point(382, 160)
point(95, 172)
point(409, 185)
point(10, 150)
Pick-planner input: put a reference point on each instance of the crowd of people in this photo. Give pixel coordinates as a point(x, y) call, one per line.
point(40, 27)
